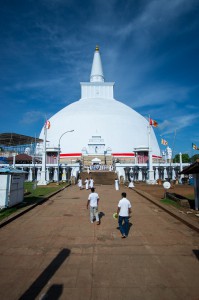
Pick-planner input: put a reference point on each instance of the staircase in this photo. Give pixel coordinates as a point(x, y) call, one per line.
point(100, 177)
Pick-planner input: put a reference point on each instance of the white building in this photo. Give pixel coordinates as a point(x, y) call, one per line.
point(103, 127)
point(98, 132)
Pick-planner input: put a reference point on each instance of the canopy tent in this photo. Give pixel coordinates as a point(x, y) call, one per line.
point(14, 139)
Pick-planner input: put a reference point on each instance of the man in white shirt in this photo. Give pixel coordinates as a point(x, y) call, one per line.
point(93, 200)
point(123, 212)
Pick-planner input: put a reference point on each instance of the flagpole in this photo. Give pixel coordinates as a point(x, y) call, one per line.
point(33, 161)
point(150, 171)
point(174, 139)
point(42, 180)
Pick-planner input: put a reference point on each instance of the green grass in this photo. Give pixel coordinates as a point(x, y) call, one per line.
point(33, 194)
point(191, 200)
point(170, 202)
point(191, 196)
point(40, 191)
point(6, 212)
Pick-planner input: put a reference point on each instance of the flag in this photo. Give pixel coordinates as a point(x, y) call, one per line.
point(195, 147)
point(153, 123)
point(47, 124)
point(164, 142)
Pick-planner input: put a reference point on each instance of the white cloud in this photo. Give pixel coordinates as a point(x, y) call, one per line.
point(161, 95)
point(32, 117)
point(178, 122)
point(155, 15)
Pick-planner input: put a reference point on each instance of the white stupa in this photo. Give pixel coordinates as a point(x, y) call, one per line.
point(101, 124)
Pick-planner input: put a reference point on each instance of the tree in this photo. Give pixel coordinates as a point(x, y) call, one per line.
point(194, 157)
point(185, 158)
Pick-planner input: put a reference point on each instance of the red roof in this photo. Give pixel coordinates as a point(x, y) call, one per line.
point(22, 158)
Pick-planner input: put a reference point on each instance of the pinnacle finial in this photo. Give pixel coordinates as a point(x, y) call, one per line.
point(96, 71)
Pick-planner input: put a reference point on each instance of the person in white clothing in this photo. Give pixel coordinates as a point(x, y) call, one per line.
point(86, 182)
point(131, 184)
point(80, 183)
point(93, 200)
point(117, 184)
point(91, 183)
point(123, 212)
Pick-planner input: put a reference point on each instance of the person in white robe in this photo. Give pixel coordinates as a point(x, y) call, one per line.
point(91, 183)
point(131, 184)
point(87, 183)
point(117, 184)
point(80, 184)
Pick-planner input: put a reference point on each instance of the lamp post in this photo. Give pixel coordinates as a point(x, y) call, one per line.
point(58, 158)
point(150, 170)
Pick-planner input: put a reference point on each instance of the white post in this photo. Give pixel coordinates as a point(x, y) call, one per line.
point(14, 160)
point(140, 174)
point(156, 173)
point(165, 173)
point(47, 174)
point(55, 177)
point(173, 174)
point(30, 174)
point(64, 174)
point(38, 174)
point(43, 180)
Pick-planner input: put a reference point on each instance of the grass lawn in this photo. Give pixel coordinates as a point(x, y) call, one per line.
point(170, 202)
point(33, 194)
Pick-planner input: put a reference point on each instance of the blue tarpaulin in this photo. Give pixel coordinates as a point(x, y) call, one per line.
point(10, 170)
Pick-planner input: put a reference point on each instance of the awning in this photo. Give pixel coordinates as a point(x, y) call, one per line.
point(192, 169)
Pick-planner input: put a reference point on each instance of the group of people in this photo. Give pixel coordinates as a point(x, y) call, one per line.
point(89, 183)
point(123, 211)
point(130, 186)
point(123, 208)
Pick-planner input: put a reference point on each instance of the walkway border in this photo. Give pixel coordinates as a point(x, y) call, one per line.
point(16, 215)
point(183, 218)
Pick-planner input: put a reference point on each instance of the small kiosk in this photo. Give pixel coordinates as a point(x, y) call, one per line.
point(194, 170)
point(11, 186)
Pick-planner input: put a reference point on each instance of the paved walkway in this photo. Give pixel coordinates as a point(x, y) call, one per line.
point(54, 252)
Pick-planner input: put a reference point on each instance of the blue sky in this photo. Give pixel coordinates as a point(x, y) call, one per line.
point(149, 48)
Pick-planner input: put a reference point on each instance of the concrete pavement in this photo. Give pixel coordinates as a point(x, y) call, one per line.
point(54, 252)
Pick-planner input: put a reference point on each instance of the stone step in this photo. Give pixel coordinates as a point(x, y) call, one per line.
point(100, 177)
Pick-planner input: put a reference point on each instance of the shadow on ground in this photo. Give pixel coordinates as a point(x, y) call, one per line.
point(55, 290)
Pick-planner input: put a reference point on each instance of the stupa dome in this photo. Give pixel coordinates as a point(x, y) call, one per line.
point(98, 116)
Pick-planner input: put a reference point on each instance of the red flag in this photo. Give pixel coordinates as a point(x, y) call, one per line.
point(153, 123)
point(47, 124)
